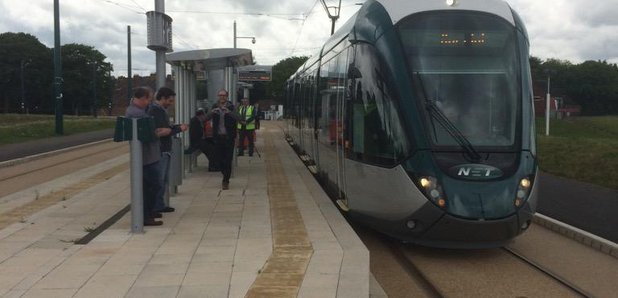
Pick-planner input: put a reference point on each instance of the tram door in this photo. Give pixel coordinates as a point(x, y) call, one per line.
point(342, 65)
point(317, 105)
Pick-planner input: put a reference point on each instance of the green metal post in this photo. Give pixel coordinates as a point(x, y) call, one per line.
point(57, 69)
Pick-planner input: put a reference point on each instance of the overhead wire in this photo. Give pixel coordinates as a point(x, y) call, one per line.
point(122, 5)
point(302, 26)
point(139, 5)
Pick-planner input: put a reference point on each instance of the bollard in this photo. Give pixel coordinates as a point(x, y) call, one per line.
point(137, 202)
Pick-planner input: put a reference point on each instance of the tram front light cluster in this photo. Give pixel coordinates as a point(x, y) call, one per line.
point(433, 190)
point(523, 190)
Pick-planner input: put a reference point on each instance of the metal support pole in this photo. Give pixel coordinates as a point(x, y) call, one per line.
point(234, 34)
point(111, 91)
point(94, 90)
point(58, 70)
point(160, 69)
point(547, 107)
point(24, 105)
point(137, 195)
point(129, 74)
point(160, 54)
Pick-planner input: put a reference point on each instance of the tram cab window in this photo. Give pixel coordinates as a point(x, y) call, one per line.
point(466, 65)
point(377, 136)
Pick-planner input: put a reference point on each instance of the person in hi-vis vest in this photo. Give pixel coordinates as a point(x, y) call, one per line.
point(246, 126)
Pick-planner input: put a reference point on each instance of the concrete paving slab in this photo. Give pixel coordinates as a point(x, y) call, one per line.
point(216, 244)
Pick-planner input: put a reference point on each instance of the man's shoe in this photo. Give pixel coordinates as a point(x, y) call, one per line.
point(167, 209)
point(157, 215)
point(152, 222)
point(225, 185)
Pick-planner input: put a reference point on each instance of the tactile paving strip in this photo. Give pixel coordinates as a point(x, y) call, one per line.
point(284, 271)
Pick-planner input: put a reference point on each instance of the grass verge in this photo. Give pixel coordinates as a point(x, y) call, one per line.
point(581, 148)
point(22, 128)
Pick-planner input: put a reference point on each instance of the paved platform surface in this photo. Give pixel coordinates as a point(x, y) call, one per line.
point(274, 233)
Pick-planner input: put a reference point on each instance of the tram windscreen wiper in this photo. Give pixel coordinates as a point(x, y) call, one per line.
point(452, 130)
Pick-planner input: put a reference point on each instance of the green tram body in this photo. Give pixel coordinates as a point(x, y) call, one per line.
point(419, 118)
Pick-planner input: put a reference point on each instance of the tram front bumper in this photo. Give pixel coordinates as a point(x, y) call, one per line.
point(434, 228)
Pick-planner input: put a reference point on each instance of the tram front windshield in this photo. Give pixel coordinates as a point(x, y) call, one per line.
point(465, 66)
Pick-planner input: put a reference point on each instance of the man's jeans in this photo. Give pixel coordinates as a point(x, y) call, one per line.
point(164, 168)
point(151, 187)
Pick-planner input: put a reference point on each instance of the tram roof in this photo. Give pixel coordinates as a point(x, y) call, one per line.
point(398, 9)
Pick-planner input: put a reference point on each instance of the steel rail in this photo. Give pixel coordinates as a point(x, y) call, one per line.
point(548, 273)
point(86, 155)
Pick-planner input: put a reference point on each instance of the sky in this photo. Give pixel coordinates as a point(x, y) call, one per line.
point(574, 30)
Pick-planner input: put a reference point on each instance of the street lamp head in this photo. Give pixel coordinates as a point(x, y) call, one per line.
point(253, 40)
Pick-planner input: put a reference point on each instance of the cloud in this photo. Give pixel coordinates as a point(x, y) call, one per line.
point(571, 30)
point(575, 30)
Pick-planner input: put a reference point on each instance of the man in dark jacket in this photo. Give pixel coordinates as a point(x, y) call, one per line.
point(224, 121)
point(165, 98)
point(198, 140)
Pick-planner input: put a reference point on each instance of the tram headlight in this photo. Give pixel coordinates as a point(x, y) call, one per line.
point(525, 183)
point(523, 190)
point(433, 190)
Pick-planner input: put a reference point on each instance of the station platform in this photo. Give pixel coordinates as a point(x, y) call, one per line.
point(274, 233)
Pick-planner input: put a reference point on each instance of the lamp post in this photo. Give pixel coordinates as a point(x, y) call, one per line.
point(238, 37)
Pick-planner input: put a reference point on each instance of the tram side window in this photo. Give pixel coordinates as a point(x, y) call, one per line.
point(331, 92)
point(328, 103)
point(307, 107)
point(297, 103)
point(377, 135)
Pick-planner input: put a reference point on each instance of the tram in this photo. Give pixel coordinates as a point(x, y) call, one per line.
point(417, 116)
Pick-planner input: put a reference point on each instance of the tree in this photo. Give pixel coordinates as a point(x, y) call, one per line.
point(83, 69)
point(594, 85)
point(23, 56)
point(281, 72)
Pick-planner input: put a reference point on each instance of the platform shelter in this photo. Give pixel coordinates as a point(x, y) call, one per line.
point(217, 65)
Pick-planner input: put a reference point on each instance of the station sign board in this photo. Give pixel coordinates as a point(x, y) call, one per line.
point(255, 73)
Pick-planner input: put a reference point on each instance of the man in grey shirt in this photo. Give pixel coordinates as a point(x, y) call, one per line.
point(151, 154)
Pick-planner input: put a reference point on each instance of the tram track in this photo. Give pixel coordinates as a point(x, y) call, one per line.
point(474, 273)
point(430, 289)
point(85, 155)
point(24, 175)
point(547, 272)
point(31, 186)
point(406, 270)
